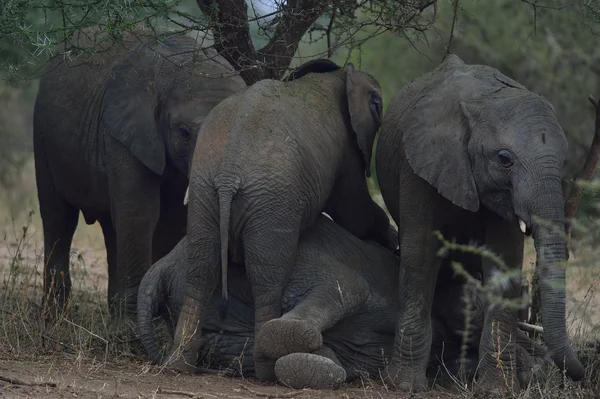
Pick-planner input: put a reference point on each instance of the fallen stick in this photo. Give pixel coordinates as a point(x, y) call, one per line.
point(177, 392)
point(269, 395)
point(16, 381)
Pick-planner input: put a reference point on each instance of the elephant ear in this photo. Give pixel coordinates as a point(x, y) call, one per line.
point(131, 109)
point(365, 106)
point(436, 132)
point(321, 65)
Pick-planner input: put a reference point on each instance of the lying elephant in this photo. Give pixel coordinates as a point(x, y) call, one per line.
point(339, 314)
point(467, 151)
point(113, 135)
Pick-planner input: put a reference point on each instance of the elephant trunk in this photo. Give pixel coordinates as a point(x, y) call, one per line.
point(147, 308)
point(547, 229)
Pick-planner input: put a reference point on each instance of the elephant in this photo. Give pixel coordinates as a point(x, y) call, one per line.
point(339, 315)
point(113, 137)
point(273, 157)
point(474, 155)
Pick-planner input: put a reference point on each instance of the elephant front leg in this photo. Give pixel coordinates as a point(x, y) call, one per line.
point(135, 208)
point(412, 342)
point(498, 349)
point(318, 370)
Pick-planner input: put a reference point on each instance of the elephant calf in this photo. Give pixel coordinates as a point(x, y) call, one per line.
point(272, 158)
point(340, 305)
point(113, 136)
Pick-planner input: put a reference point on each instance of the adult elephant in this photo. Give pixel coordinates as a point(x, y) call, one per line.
point(113, 137)
point(272, 158)
point(466, 151)
point(339, 315)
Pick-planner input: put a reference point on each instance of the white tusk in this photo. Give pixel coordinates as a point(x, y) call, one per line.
point(185, 197)
point(523, 226)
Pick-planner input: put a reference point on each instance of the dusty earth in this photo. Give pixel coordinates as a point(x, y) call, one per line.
point(77, 374)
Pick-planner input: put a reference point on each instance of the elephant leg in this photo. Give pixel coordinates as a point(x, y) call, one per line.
point(135, 208)
point(299, 330)
point(352, 207)
point(202, 277)
point(318, 370)
point(171, 226)
point(110, 242)
point(417, 280)
point(270, 254)
point(59, 221)
point(497, 348)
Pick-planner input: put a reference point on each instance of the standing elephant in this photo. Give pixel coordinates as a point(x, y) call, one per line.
point(339, 314)
point(466, 151)
point(113, 136)
point(272, 158)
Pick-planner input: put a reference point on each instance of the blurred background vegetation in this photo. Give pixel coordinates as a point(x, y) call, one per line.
point(550, 46)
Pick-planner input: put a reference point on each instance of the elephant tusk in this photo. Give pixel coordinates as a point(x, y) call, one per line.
point(523, 226)
point(185, 197)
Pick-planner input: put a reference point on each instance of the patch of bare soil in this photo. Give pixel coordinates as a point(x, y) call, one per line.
point(62, 378)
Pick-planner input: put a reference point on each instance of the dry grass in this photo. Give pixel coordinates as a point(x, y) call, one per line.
point(87, 354)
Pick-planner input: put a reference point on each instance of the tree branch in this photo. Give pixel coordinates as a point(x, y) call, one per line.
point(297, 17)
point(231, 30)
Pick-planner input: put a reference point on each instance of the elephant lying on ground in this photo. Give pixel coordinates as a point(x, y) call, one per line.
point(271, 159)
point(113, 136)
point(340, 305)
point(468, 152)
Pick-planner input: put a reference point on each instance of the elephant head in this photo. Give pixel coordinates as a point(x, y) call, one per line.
point(157, 97)
point(490, 142)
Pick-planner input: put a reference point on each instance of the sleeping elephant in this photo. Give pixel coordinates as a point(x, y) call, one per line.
point(339, 314)
point(272, 158)
point(113, 137)
point(468, 152)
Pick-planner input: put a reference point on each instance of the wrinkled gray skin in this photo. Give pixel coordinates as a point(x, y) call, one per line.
point(469, 152)
point(113, 137)
point(339, 314)
point(272, 158)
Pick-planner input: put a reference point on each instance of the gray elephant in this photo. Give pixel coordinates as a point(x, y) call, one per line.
point(339, 315)
point(273, 157)
point(113, 136)
point(468, 152)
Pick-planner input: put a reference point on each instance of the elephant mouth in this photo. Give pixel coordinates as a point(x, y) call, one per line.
point(525, 229)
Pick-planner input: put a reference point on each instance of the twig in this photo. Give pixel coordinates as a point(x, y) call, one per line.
point(268, 395)
point(16, 381)
point(177, 392)
point(454, 18)
point(531, 328)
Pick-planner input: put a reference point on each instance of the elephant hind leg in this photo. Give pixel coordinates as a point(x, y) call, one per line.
point(318, 370)
point(59, 221)
point(269, 253)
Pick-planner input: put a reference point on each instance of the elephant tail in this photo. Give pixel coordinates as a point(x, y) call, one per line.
point(226, 194)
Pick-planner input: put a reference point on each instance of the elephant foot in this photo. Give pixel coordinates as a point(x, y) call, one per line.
point(406, 379)
point(280, 337)
point(264, 369)
point(307, 370)
point(496, 383)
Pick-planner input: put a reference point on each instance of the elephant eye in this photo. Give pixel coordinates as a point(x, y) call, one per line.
point(184, 132)
point(505, 158)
